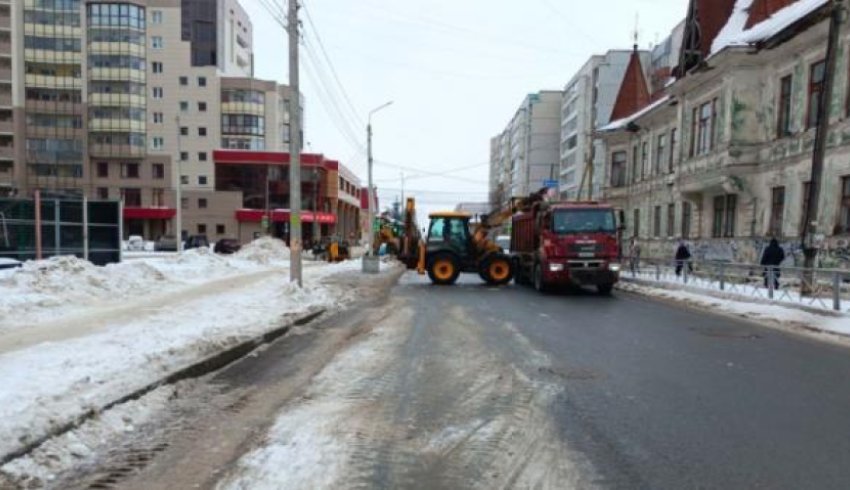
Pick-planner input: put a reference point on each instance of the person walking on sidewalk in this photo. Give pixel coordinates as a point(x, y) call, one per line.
point(634, 255)
point(683, 255)
point(771, 258)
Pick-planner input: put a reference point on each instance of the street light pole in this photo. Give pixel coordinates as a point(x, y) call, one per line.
point(178, 234)
point(371, 190)
point(294, 149)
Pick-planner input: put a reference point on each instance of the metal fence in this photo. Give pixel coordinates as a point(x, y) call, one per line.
point(86, 229)
point(818, 288)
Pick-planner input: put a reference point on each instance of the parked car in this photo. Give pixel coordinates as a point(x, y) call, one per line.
point(166, 243)
point(196, 241)
point(227, 246)
point(135, 243)
point(6, 263)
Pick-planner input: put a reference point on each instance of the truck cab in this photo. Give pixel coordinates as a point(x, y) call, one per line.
point(567, 243)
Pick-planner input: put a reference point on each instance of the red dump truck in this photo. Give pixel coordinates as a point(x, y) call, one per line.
point(567, 243)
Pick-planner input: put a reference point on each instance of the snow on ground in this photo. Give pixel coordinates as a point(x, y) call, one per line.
point(788, 316)
point(41, 290)
point(48, 384)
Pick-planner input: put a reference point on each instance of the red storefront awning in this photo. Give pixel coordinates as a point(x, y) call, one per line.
point(149, 213)
point(282, 216)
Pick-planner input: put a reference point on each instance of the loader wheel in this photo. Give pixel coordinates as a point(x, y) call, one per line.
point(443, 270)
point(497, 270)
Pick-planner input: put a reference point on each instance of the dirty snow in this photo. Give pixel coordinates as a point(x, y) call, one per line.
point(41, 290)
point(48, 384)
point(621, 123)
point(787, 316)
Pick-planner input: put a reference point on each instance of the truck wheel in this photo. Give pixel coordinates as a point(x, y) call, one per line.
point(539, 284)
point(605, 289)
point(443, 270)
point(497, 270)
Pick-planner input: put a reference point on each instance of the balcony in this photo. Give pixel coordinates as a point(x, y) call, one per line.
point(50, 81)
point(116, 125)
point(5, 100)
point(5, 22)
point(117, 100)
point(5, 74)
point(5, 48)
point(253, 108)
point(123, 74)
point(54, 57)
point(106, 151)
point(7, 153)
point(7, 127)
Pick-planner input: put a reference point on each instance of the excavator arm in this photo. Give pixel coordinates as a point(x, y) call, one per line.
point(481, 234)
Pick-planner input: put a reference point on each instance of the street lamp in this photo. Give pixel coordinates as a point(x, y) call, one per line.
point(371, 267)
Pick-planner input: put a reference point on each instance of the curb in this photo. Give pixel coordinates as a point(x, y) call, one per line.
point(730, 296)
point(195, 370)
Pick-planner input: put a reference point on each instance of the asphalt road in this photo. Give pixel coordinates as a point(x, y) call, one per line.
point(659, 396)
point(478, 387)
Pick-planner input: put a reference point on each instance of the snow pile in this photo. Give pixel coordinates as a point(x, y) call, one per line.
point(264, 251)
point(734, 33)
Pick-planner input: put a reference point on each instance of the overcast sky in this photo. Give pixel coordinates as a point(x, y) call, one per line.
point(456, 70)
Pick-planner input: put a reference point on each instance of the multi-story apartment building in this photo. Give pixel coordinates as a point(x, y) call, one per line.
point(724, 158)
point(7, 112)
point(531, 144)
point(588, 102)
point(129, 99)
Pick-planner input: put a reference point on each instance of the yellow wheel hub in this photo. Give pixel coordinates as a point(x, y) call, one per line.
point(443, 270)
point(499, 270)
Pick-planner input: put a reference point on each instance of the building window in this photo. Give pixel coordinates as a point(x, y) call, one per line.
point(184, 156)
point(636, 223)
point(132, 197)
point(202, 81)
point(220, 230)
point(671, 158)
point(705, 128)
point(184, 106)
point(644, 155)
point(844, 216)
point(618, 169)
point(202, 107)
point(156, 17)
point(158, 170)
point(725, 211)
point(671, 220)
point(103, 193)
point(129, 170)
point(635, 163)
point(184, 180)
point(157, 143)
point(157, 66)
point(158, 198)
point(656, 222)
point(807, 189)
point(102, 169)
point(184, 203)
point(156, 42)
point(202, 180)
point(158, 118)
point(783, 125)
point(184, 81)
point(660, 149)
point(777, 211)
point(202, 156)
point(184, 131)
point(157, 92)
point(686, 219)
point(202, 131)
point(202, 203)
point(816, 76)
point(202, 228)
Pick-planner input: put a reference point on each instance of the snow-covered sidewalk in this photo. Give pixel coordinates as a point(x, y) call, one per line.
point(92, 335)
point(787, 316)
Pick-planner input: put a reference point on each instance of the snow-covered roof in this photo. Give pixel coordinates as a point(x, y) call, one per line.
point(622, 123)
point(735, 33)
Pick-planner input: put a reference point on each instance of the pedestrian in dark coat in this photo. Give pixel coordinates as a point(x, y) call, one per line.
point(683, 256)
point(771, 258)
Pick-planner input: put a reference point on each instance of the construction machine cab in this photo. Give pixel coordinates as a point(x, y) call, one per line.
point(450, 249)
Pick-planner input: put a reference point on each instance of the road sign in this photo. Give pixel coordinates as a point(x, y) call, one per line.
point(550, 183)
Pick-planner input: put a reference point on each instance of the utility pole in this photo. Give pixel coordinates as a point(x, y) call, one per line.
point(178, 218)
point(294, 149)
point(316, 231)
point(402, 188)
point(367, 267)
point(810, 223)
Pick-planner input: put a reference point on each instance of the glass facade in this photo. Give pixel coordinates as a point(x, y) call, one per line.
point(117, 79)
point(52, 67)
